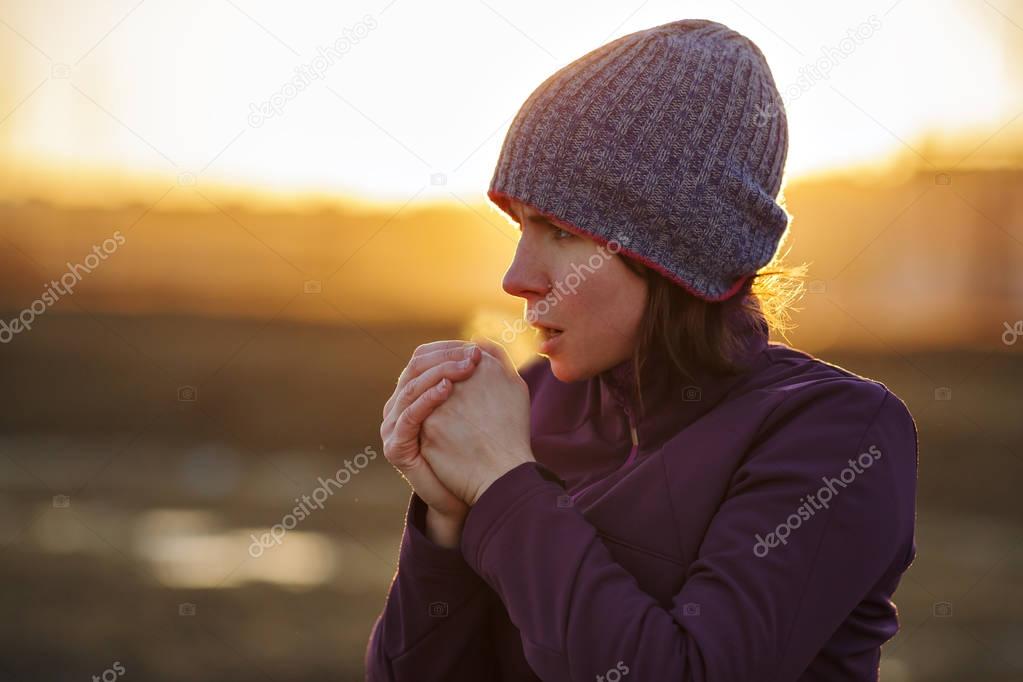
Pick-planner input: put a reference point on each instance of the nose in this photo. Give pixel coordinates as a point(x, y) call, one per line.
point(527, 276)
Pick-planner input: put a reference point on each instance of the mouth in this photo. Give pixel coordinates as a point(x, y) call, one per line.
point(547, 332)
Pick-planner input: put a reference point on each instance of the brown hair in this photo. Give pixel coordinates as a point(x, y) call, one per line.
point(693, 332)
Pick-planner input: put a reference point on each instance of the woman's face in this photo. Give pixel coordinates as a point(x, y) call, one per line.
point(596, 301)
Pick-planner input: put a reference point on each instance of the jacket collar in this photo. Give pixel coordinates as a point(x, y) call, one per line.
point(670, 404)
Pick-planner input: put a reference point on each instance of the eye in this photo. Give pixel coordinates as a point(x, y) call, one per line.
point(560, 234)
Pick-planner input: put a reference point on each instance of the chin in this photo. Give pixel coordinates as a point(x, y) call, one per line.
point(567, 372)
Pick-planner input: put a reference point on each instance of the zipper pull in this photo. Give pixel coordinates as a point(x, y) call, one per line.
point(632, 428)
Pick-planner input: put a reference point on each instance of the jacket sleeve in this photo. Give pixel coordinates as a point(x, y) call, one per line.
point(435, 622)
point(739, 616)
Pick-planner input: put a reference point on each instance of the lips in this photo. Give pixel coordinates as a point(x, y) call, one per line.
point(547, 331)
point(550, 333)
point(550, 338)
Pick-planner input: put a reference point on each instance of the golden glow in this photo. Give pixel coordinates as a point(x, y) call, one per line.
point(368, 182)
point(170, 90)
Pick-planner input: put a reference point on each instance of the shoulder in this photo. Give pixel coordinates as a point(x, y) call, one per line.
point(827, 426)
point(822, 417)
point(818, 417)
point(812, 393)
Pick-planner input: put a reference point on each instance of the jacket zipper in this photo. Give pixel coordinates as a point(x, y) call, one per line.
point(635, 439)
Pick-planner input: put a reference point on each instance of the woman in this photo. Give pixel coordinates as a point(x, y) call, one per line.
point(665, 495)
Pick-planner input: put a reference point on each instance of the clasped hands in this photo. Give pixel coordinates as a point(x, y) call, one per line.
point(457, 421)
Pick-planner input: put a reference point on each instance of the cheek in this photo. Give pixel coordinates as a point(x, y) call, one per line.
point(608, 304)
point(622, 308)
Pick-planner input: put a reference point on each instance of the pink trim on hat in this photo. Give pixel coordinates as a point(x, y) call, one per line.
point(501, 200)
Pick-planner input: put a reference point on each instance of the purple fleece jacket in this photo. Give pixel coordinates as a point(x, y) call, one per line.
point(749, 528)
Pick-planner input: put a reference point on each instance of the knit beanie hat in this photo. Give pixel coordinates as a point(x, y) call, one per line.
point(668, 144)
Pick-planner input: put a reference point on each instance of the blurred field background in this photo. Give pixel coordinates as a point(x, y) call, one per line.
point(275, 278)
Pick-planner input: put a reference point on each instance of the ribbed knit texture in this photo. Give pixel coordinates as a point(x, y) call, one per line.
point(670, 141)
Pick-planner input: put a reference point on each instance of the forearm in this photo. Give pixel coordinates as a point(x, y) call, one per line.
point(580, 612)
point(435, 622)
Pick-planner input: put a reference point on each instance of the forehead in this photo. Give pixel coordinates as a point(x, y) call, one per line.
point(518, 208)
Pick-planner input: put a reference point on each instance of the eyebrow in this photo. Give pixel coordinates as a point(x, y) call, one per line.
point(539, 218)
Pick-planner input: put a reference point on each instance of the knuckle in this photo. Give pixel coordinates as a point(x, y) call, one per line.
point(413, 409)
point(410, 388)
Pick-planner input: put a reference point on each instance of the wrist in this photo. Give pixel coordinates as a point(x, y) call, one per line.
point(444, 531)
point(518, 461)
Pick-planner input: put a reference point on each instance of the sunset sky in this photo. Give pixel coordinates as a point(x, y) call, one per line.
point(156, 92)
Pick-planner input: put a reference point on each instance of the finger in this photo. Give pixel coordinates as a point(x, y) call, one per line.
point(425, 482)
point(452, 370)
point(425, 350)
point(422, 361)
point(411, 419)
point(496, 350)
point(401, 432)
